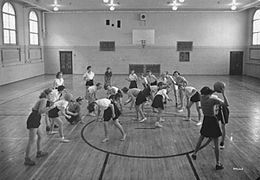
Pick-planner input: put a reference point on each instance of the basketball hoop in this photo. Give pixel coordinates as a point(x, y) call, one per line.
point(143, 43)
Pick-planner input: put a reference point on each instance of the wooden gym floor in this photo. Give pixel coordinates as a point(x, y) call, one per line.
point(147, 153)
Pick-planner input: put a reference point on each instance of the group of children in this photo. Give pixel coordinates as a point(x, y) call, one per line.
point(154, 89)
point(53, 103)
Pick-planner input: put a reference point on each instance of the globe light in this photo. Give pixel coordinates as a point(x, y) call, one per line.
point(55, 8)
point(233, 7)
point(181, 1)
point(112, 8)
point(174, 8)
point(105, 1)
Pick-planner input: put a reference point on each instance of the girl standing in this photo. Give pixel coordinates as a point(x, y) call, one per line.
point(89, 78)
point(210, 126)
point(108, 78)
point(132, 78)
point(33, 123)
point(59, 81)
point(158, 103)
point(181, 82)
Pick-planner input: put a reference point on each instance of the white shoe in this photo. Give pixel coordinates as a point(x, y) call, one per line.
point(92, 114)
point(105, 140)
point(142, 120)
point(179, 110)
point(157, 124)
point(53, 132)
point(199, 123)
point(162, 120)
point(187, 119)
point(63, 140)
point(123, 138)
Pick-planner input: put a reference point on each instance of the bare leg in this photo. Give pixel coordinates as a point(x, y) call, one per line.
point(119, 126)
point(198, 144)
point(137, 112)
point(157, 123)
point(223, 128)
point(31, 141)
point(141, 111)
point(188, 109)
point(106, 131)
point(216, 150)
point(39, 139)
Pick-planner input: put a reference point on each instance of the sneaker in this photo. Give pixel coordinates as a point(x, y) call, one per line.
point(199, 123)
point(187, 119)
point(219, 166)
point(142, 120)
point(53, 132)
point(221, 146)
point(63, 140)
point(123, 138)
point(41, 154)
point(162, 120)
point(48, 128)
point(92, 114)
point(105, 140)
point(29, 162)
point(194, 156)
point(179, 110)
point(157, 124)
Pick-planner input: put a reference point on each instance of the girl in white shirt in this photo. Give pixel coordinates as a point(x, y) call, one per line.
point(132, 78)
point(59, 81)
point(110, 111)
point(112, 90)
point(89, 78)
point(192, 96)
point(158, 103)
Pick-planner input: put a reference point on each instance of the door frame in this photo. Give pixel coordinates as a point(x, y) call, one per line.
point(68, 50)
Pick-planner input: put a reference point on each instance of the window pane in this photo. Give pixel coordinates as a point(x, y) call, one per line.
point(257, 14)
point(33, 16)
point(33, 26)
point(34, 39)
point(11, 9)
point(255, 39)
point(12, 22)
point(12, 37)
point(5, 7)
point(6, 21)
point(6, 37)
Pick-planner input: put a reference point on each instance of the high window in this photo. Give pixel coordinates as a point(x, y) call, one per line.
point(33, 28)
point(9, 23)
point(256, 28)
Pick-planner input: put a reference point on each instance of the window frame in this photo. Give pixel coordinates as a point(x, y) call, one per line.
point(29, 30)
point(252, 30)
point(3, 29)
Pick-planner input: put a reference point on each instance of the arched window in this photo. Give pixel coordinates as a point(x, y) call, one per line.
point(9, 23)
point(256, 28)
point(33, 28)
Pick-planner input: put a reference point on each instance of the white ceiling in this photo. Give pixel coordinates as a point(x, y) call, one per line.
point(142, 5)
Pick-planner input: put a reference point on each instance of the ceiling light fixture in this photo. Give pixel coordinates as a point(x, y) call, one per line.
point(181, 1)
point(55, 4)
point(111, 4)
point(233, 5)
point(174, 5)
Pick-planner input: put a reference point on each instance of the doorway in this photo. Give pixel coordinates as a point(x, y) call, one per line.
point(66, 62)
point(236, 63)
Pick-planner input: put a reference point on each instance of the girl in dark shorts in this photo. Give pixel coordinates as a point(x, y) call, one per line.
point(111, 111)
point(132, 78)
point(192, 96)
point(158, 102)
point(140, 101)
point(210, 126)
point(33, 123)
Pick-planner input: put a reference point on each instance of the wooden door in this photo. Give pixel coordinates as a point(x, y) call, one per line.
point(66, 62)
point(236, 63)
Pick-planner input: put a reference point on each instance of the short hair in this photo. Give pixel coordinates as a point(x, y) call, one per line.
point(68, 97)
point(45, 93)
point(160, 84)
point(206, 91)
point(125, 89)
point(60, 88)
point(91, 107)
point(79, 99)
point(108, 68)
point(148, 71)
point(98, 84)
point(88, 67)
point(176, 72)
point(58, 74)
